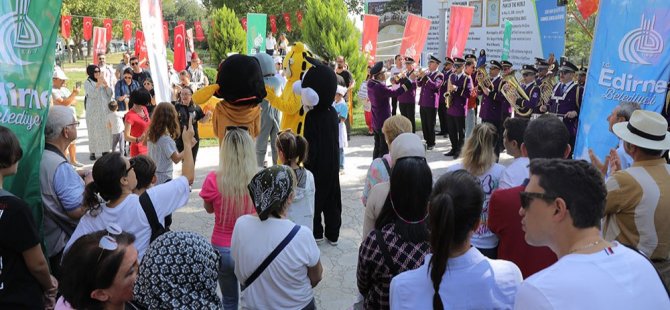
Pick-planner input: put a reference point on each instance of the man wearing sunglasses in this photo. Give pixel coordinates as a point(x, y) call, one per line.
point(139, 74)
point(106, 71)
point(544, 137)
point(531, 89)
point(562, 207)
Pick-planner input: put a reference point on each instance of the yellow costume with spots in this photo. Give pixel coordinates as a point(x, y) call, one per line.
point(295, 65)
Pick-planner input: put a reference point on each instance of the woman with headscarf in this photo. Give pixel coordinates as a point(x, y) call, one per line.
point(288, 280)
point(178, 272)
point(98, 95)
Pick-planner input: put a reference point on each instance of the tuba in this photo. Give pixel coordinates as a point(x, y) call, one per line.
point(483, 78)
point(512, 91)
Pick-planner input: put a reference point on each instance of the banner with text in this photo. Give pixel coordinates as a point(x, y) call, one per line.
point(630, 61)
point(370, 32)
point(152, 25)
point(414, 37)
point(256, 24)
point(459, 26)
point(27, 63)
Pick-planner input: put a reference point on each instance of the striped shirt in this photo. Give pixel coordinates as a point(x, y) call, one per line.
point(161, 153)
point(638, 208)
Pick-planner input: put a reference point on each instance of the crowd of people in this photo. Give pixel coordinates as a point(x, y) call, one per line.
point(544, 232)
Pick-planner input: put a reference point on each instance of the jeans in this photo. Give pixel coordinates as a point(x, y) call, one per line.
point(341, 158)
point(227, 279)
point(118, 140)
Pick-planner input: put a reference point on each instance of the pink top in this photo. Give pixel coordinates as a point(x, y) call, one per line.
point(223, 231)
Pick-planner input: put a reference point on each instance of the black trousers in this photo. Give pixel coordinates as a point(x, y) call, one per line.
point(380, 144)
point(331, 212)
point(442, 115)
point(499, 129)
point(394, 105)
point(408, 110)
point(456, 132)
point(428, 124)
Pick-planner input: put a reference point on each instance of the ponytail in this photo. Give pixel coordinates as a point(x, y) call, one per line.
point(302, 147)
point(442, 227)
point(293, 146)
point(91, 194)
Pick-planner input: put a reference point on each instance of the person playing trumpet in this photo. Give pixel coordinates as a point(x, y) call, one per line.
point(461, 86)
point(395, 71)
point(430, 82)
point(566, 100)
point(407, 100)
point(493, 101)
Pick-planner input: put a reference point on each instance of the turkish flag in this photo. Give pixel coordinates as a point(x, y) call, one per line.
point(107, 23)
point(199, 35)
point(587, 7)
point(99, 43)
point(141, 48)
point(414, 37)
point(88, 27)
point(127, 30)
point(273, 23)
point(460, 20)
point(370, 32)
point(165, 32)
point(181, 23)
point(65, 24)
point(287, 20)
point(299, 16)
point(244, 23)
point(179, 48)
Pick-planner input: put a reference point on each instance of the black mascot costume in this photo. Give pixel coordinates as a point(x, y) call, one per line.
point(317, 91)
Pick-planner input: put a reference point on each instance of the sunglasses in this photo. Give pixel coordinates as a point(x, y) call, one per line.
point(132, 166)
point(127, 78)
point(76, 124)
point(229, 128)
point(527, 74)
point(108, 242)
point(133, 63)
point(528, 197)
point(284, 131)
point(96, 71)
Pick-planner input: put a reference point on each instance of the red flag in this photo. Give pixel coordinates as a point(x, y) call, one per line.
point(141, 48)
point(127, 30)
point(165, 32)
point(179, 48)
point(273, 23)
point(199, 35)
point(414, 37)
point(181, 23)
point(244, 23)
point(107, 23)
point(99, 43)
point(370, 32)
point(587, 7)
point(299, 16)
point(287, 20)
point(88, 27)
point(65, 24)
point(460, 19)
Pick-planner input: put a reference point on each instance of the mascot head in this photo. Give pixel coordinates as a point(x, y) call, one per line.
point(268, 70)
point(295, 62)
point(240, 80)
point(318, 86)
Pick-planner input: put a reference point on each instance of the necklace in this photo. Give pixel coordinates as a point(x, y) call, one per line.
point(590, 245)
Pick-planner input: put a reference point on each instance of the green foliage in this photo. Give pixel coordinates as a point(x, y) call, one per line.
point(186, 10)
point(211, 74)
point(577, 40)
point(328, 32)
point(226, 36)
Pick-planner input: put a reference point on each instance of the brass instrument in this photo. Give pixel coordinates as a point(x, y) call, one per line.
point(512, 91)
point(548, 83)
point(483, 78)
point(447, 94)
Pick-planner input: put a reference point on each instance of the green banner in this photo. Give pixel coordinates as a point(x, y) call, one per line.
point(507, 39)
point(256, 25)
point(28, 29)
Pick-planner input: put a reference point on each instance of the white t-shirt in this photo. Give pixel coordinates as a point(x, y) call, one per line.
point(129, 215)
point(515, 173)
point(472, 281)
point(270, 43)
point(284, 283)
point(484, 238)
point(614, 278)
point(301, 211)
point(115, 121)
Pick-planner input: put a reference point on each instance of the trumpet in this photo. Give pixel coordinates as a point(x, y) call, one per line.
point(447, 94)
point(512, 91)
point(483, 78)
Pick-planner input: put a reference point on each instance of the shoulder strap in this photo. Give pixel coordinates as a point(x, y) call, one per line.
point(385, 251)
point(271, 257)
point(148, 207)
point(652, 265)
point(4, 193)
point(387, 165)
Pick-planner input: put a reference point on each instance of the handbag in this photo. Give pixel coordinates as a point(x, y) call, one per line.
point(271, 257)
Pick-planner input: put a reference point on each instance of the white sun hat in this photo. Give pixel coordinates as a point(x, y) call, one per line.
point(645, 129)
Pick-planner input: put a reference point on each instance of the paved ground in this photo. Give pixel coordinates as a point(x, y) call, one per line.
point(338, 289)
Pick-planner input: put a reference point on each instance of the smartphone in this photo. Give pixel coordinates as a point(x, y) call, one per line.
point(77, 84)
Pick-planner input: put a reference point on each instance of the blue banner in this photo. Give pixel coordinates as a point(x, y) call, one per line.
point(551, 21)
point(630, 61)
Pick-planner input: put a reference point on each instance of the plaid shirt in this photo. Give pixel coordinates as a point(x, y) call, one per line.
point(373, 274)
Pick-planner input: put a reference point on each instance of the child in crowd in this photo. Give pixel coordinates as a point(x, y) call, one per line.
point(342, 111)
point(115, 126)
point(163, 130)
point(292, 151)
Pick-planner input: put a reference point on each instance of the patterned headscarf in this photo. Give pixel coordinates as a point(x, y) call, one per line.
point(179, 271)
point(270, 188)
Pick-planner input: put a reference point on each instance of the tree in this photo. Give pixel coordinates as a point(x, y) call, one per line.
point(578, 39)
point(186, 10)
point(329, 33)
point(226, 35)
